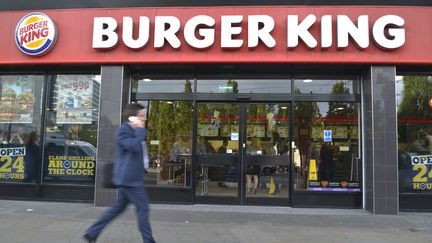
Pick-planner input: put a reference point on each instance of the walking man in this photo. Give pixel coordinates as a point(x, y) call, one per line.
point(130, 166)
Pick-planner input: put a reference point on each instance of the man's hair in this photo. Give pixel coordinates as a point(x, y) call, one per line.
point(131, 109)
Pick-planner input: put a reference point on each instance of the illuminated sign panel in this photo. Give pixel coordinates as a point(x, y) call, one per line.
point(245, 34)
point(35, 34)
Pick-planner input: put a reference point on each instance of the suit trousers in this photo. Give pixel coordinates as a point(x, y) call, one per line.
point(138, 197)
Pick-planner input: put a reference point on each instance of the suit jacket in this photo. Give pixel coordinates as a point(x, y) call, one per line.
point(129, 161)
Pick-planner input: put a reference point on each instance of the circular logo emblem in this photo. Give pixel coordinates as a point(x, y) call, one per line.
point(35, 34)
point(67, 164)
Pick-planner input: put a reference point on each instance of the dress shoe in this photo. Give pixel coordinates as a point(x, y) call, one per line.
point(89, 239)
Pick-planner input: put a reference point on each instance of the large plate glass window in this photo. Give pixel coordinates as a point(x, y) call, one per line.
point(218, 150)
point(20, 125)
point(169, 124)
point(169, 142)
point(325, 86)
point(267, 150)
point(231, 86)
point(414, 111)
point(150, 84)
point(326, 146)
point(71, 129)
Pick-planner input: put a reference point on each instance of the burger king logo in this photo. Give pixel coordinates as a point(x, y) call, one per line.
point(35, 34)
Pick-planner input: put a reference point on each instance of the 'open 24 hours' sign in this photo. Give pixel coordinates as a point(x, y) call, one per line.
point(12, 167)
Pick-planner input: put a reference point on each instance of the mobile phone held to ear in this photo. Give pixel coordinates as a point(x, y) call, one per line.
point(133, 119)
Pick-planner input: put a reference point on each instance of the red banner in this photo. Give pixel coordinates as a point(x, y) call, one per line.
point(75, 36)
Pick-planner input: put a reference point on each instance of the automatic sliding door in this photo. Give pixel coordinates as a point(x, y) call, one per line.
point(266, 157)
point(217, 150)
point(260, 167)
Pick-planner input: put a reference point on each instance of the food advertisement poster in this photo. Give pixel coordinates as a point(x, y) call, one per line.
point(17, 101)
point(74, 100)
point(71, 167)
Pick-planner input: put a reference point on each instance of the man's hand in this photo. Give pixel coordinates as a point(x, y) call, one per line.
point(139, 120)
point(136, 122)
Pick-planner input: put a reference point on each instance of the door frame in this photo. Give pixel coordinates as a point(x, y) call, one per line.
point(242, 158)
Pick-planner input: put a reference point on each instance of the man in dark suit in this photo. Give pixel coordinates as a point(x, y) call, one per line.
point(129, 170)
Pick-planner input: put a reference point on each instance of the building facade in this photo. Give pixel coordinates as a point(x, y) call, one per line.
point(290, 104)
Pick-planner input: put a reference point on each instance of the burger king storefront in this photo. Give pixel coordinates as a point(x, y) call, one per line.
point(288, 105)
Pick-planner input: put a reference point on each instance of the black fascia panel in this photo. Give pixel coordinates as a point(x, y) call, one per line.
point(10, 5)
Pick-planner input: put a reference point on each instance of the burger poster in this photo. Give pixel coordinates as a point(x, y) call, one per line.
point(16, 103)
point(74, 100)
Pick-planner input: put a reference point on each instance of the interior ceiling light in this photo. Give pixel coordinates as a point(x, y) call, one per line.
point(307, 80)
point(340, 108)
point(146, 80)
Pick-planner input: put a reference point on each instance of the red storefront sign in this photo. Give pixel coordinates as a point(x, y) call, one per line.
point(319, 24)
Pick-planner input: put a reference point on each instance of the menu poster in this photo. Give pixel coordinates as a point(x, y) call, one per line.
point(256, 131)
point(74, 100)
point(283, 131)
point(234, 128)
point(225, 130)
point(337, 132)
point(340, 132)
point(353, 132)
point(317, 132)
point(207, 130)
point(17, 101)
point(250, 131)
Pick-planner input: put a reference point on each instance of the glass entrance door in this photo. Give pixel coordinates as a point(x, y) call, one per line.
point(217, 152)
point(242, 153)
point(266, 159)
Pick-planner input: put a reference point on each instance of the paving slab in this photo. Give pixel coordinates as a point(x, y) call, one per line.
point(52, 222)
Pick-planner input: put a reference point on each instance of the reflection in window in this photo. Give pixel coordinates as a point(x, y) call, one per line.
point(145, 84)
point(218, 134)
point(267, 135)
point(71, 131)
point(169, 140)
point(20, 124)
point(325, 150)
point(318, 86)
point(414, 111)
point(267, 129)
point(231, 86)
point(218, 128)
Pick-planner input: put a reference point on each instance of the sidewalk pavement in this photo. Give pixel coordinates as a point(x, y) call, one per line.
point(55, 222)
